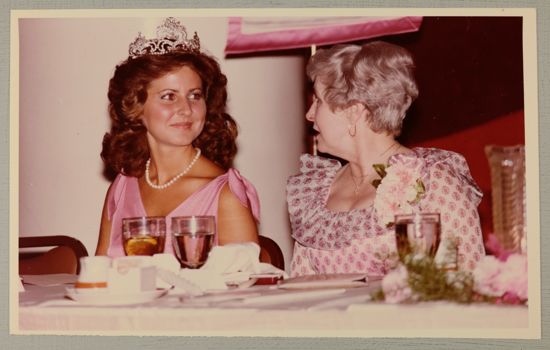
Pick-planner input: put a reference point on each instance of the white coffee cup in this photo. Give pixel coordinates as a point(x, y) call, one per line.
point(94, 272)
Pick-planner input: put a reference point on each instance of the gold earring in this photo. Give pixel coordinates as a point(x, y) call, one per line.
point(352, 134)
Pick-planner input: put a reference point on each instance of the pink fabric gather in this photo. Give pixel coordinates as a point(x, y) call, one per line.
point(124, 200)
point(305, 32)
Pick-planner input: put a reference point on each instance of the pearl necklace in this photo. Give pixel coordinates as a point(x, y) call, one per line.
point(175, 178)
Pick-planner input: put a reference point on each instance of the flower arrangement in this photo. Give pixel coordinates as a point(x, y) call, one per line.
point(500, 278)
point(397, 190)
point(420, 278)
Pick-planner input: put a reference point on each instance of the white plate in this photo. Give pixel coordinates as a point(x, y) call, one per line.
point(106, 298)
point(347, 280)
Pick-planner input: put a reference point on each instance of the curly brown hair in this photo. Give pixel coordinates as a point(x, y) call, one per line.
point(125, 147)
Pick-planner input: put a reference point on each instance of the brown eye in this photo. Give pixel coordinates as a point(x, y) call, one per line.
point(168, 96)
point(196, 96)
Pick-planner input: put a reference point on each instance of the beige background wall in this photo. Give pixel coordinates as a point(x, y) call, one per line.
point(65, 65)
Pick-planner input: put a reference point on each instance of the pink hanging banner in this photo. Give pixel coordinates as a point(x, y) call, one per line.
point(253, 34)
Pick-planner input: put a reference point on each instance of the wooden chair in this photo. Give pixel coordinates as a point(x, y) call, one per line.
point(63, 258)
point(271, 252)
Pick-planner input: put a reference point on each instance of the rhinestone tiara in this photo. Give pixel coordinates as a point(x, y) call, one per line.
point(171, 36)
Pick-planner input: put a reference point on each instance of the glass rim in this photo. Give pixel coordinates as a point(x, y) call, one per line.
point(192, 216)
point(145, 218)
point(132, 224)
point(188, 225)
point(519, 148)
point(196, 233)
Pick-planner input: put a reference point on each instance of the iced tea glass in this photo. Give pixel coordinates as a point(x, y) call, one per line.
point(144, 235)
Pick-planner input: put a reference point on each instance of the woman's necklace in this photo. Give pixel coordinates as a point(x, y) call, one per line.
point(358, 185)
point(175, 178)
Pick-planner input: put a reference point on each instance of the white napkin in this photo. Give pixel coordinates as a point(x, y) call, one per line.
point(165, 262)
point(234, 257)
point(230, 263)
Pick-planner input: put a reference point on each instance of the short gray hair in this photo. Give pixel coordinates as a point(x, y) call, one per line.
point(378, 75)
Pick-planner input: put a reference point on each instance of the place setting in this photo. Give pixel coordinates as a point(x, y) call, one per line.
point(147, 273)
point(200, 274)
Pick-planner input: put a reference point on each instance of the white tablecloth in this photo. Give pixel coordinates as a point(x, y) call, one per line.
point(44, 310)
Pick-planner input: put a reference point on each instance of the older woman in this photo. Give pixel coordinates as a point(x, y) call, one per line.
point(341, 216)
point(172, 143)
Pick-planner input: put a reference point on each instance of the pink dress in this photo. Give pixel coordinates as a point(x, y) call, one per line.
point(124, 200)
point(357, 241)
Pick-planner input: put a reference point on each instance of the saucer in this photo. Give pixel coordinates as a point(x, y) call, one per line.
point(99, 296)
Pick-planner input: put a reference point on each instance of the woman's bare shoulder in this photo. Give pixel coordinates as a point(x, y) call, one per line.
point(206, 170)
point(211, 169)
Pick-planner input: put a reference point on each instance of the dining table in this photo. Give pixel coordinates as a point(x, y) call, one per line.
point(44, 307)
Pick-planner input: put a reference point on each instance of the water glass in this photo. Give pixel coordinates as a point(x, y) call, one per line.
point(417, 233)
point(144, 235)
point(192, 239)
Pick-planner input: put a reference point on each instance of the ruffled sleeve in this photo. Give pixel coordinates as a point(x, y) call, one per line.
point(453, 163)
point(313, 181)
point(452, 192)
point(313, 225)
point(245, 191)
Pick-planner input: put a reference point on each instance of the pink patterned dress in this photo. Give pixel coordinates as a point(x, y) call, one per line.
point(124, 200)
point(327, 241)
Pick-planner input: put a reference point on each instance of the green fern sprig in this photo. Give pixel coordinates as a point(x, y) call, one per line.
point(430, 282)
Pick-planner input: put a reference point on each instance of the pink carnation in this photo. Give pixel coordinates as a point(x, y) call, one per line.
point(486, 277)
point(514, 276)
point(493, 245)
point(496, 278)
point(397, 191)
point(395, 285)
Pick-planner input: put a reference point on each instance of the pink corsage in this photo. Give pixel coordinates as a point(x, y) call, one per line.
point(398, 190)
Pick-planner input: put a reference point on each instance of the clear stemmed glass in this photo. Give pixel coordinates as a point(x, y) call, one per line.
point(417, 233)
point(192, 237)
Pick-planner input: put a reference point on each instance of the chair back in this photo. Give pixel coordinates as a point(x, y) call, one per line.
point(63, 258)
point(271, 252)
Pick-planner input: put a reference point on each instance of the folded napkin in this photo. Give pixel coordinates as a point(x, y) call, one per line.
point(229, 264)
point(121, 270)
point(166, 264)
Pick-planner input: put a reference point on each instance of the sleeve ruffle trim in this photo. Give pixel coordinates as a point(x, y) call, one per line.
point(245, 191)
point(451, 162)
